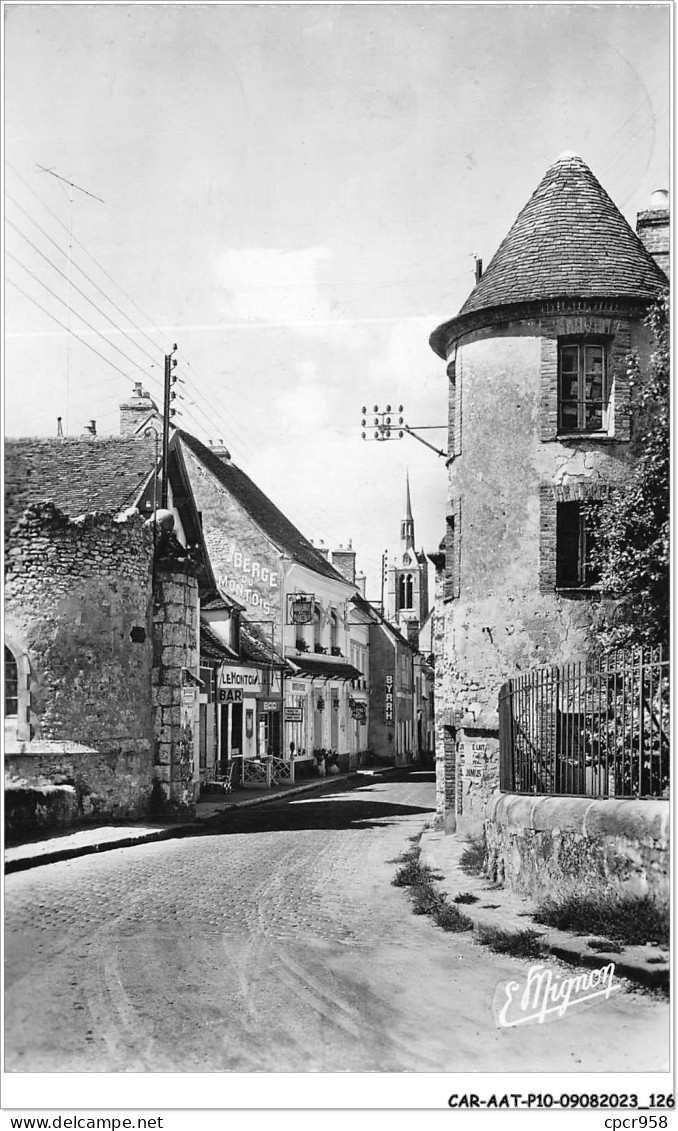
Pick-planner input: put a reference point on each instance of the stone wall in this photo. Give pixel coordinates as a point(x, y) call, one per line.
point(111, 647)
point(175, 692)
point(78, 606)
point(557, 846)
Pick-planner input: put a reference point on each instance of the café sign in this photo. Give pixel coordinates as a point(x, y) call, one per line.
point(248, 681)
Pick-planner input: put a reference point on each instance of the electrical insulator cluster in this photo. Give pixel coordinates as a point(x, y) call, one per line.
point(384, 424)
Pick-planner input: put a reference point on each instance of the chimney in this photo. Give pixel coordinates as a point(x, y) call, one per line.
point(135, 411)
point(343, 561)
point(90, 429)
point(322, 549)
point(219, 449)
point(652, 226)
point(361, 582)
point(479, 270)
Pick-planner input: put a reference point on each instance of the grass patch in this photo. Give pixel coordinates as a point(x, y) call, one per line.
point(426, 899)
point(465, 897)
point(472, 859)
point(629, 920)
point(521, 944)
point(608, 945)
point(450, 918)
point(411, 872)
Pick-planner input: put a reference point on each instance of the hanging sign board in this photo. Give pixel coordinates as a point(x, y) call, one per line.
point(358, 710)
point(300, 608)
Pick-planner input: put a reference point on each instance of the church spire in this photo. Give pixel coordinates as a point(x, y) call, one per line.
point(407, 524)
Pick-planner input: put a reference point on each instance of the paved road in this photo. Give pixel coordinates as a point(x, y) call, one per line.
point(277, 944)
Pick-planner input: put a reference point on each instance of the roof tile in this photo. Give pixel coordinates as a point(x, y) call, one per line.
point(569, 241)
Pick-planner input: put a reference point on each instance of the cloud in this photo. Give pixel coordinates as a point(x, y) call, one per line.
point(273, 286)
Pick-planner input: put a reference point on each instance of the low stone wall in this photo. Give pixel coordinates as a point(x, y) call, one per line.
point(556, 846)
point(98, 786)
point(38, 807)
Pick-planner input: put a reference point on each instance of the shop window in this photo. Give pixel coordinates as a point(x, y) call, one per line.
point(574, 545)
point(583, 387)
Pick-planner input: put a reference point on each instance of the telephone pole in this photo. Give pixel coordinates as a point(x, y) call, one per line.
point(168, 413)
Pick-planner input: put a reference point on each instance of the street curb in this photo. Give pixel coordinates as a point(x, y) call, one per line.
point(316, 784)
point(562, 945)
point(23, 863)
point(171, 832)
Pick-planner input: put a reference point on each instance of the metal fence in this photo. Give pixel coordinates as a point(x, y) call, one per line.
point(595, 729)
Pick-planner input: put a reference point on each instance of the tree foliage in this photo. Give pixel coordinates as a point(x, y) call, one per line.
point(632, 527)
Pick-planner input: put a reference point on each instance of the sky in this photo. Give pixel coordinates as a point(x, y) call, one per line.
point(294, 195)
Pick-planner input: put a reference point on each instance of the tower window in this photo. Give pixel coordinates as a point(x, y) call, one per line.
point(574, 543)
point(583, 387)
point(405, 591)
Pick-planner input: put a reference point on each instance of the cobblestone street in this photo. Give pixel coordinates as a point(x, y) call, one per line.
point(278, 943)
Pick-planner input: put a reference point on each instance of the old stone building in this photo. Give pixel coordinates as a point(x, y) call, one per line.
point(539, 426)
point(102, 631)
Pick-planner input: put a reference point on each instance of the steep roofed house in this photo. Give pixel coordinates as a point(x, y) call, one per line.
point(539, 426)
point(300, 604)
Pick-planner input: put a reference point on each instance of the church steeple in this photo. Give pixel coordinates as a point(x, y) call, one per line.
point(407, 595)
point(407, 524)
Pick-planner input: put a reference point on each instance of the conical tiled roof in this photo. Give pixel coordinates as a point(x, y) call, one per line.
point(569, 241)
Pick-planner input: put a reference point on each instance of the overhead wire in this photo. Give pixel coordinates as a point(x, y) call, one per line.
point(79, 243)
point(80, 291)
point(209, 419)
point(80, 269)
point(78, 315)
point(65, 327)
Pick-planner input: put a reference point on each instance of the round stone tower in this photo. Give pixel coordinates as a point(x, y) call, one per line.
point(539, 427)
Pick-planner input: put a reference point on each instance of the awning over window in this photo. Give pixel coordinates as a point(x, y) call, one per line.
point(324, 666)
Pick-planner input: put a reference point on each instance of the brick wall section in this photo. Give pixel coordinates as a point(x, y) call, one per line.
point(454, 373)
point(74, 592)
point(548, 416)
point(547, 538)
point(653, 227)
point(175, 652)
